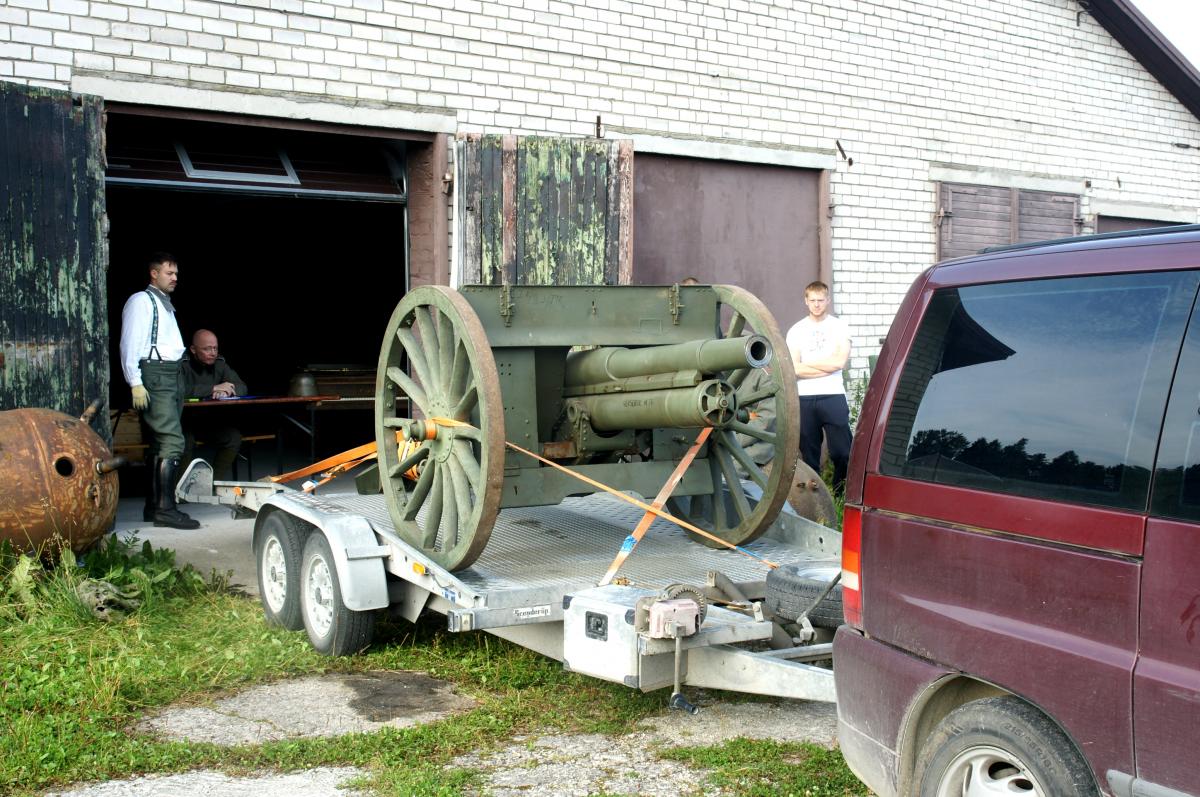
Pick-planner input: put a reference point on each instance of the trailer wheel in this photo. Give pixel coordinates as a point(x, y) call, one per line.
point(332, 628)
point(1000, 745)
point(277, 552)
point(791, 589)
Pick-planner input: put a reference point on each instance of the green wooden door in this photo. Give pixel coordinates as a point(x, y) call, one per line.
point(544, 211)
point(53, 252)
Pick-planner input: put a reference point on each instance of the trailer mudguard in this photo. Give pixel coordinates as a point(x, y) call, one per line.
point(357, 553)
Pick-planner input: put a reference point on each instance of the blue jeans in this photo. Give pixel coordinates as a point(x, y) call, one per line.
point(828, 416)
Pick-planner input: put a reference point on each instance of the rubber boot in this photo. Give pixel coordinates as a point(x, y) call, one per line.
point(151, 490)
point(166, 514)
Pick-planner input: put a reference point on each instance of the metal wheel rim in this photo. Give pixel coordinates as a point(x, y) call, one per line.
point(986, 771)
point(274, 574)
point(449, 511)
point(318, 586)
point(726, 452)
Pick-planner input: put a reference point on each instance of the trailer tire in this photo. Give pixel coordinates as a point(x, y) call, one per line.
point(791, 589)
point(277, 551)
point(333, 629)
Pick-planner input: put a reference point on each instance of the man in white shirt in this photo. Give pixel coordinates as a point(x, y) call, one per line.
point(820, 348)
point(151, 351)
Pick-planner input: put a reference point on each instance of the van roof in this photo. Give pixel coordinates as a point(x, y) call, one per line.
point(1104, 236)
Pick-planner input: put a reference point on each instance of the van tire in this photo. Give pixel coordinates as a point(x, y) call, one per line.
point(1003, 742)
point(790, 593)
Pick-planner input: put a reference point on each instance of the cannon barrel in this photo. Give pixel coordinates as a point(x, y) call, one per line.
point(707, 356)
point(710, 403)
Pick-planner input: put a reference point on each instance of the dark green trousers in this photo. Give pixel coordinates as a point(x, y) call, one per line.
point(164, 383)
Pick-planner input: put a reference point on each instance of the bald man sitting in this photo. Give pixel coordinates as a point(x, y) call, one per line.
point(206, 375)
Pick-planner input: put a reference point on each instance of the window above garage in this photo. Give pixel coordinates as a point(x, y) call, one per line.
point(209, 156)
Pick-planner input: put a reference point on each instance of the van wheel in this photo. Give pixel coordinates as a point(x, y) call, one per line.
point(1000, 745)
point(332, 628)
point(791, 589)
point(280, 543)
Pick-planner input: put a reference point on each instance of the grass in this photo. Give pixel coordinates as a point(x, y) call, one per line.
point(72, 687)
point(767, 768)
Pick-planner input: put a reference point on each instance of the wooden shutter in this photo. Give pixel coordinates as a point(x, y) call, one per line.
point(53, 298)
point(545, 211)
point(974, 217)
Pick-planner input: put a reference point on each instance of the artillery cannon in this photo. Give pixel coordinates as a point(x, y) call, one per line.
point(615, 382)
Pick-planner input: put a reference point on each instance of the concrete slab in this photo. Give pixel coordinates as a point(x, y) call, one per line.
point(317, 706)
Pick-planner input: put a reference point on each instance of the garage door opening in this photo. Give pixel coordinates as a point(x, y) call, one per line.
point(292, 249)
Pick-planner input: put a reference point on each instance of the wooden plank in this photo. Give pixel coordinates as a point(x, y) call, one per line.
point(625, 212)
point(469, 222)
point(508, 179)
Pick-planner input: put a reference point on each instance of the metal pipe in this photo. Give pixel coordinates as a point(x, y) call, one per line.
point(707, 356)
point(710, 403)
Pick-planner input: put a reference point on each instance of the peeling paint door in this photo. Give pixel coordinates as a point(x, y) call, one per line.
point(53, 256)
point(544, 211)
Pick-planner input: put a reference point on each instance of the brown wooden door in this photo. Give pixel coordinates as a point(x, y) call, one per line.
point(53, 302)
point(974, 217)
point(746, 224)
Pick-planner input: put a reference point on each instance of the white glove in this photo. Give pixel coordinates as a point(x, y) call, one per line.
point(141, 399)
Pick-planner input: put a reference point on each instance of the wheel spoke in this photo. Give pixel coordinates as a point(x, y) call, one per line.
point(467, 403)
point(470, 465)
point(753, 397)
point(396, 423)
point(461, 370)
point(446, 351)
point(405, 464)
point(410, 388)
point(419, 493)
point(740, 504)
point(747, 429)
point(416, 356)
point(433, 518)
point(737, 377)
point(450, 504)
point(730, 443)
point(718, 500)
point(736, 324)
point(425, 325)
point(462, 493)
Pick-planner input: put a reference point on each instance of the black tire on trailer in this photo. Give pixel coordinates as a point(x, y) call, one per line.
point(277, 550)
point(791, 589)
point(1001, 745)
point(333, 629)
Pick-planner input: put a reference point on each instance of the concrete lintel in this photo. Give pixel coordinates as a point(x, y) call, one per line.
point(1004, 178)
point(1144, 210)
point(715, 149)
point(256, 104)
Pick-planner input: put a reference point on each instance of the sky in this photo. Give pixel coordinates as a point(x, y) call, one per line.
point(1179, 21)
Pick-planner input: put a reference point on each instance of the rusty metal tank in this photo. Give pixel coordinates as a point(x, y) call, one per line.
point(57, 481)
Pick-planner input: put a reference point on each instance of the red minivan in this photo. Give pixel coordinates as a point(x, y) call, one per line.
point(1021, 545)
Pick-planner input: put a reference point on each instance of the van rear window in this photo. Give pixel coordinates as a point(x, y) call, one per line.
point(1050, 388)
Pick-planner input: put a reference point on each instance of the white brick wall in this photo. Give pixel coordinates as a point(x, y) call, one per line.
point(1010, 85)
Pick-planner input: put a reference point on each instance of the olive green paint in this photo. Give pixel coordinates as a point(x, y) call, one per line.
point(53, 252)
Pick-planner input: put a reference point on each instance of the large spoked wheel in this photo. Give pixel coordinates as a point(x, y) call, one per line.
point(771, 436)
point(436, 355)
point(1000, 745)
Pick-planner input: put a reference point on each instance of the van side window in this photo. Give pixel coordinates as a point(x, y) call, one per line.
point(1050, 388)
point(1177, 471)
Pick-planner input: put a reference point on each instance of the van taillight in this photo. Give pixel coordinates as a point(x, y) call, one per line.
point(852, 565)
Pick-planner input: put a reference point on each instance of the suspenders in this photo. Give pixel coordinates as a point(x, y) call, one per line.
point(153, 329)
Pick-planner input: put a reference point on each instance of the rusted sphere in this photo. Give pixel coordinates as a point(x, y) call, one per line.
point(50, 489)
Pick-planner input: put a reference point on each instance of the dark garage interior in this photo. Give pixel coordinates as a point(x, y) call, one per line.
point(289, 279)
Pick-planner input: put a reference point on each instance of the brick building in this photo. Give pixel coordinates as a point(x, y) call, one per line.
point(772, 142)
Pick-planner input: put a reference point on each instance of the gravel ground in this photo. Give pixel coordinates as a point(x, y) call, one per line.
point(534, 766)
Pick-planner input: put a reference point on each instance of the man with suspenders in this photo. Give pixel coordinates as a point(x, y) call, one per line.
point(151, 351)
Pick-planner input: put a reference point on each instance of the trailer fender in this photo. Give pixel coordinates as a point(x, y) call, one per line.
point(358, 556)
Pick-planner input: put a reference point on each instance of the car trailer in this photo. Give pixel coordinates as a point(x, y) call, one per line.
point(680, 614)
